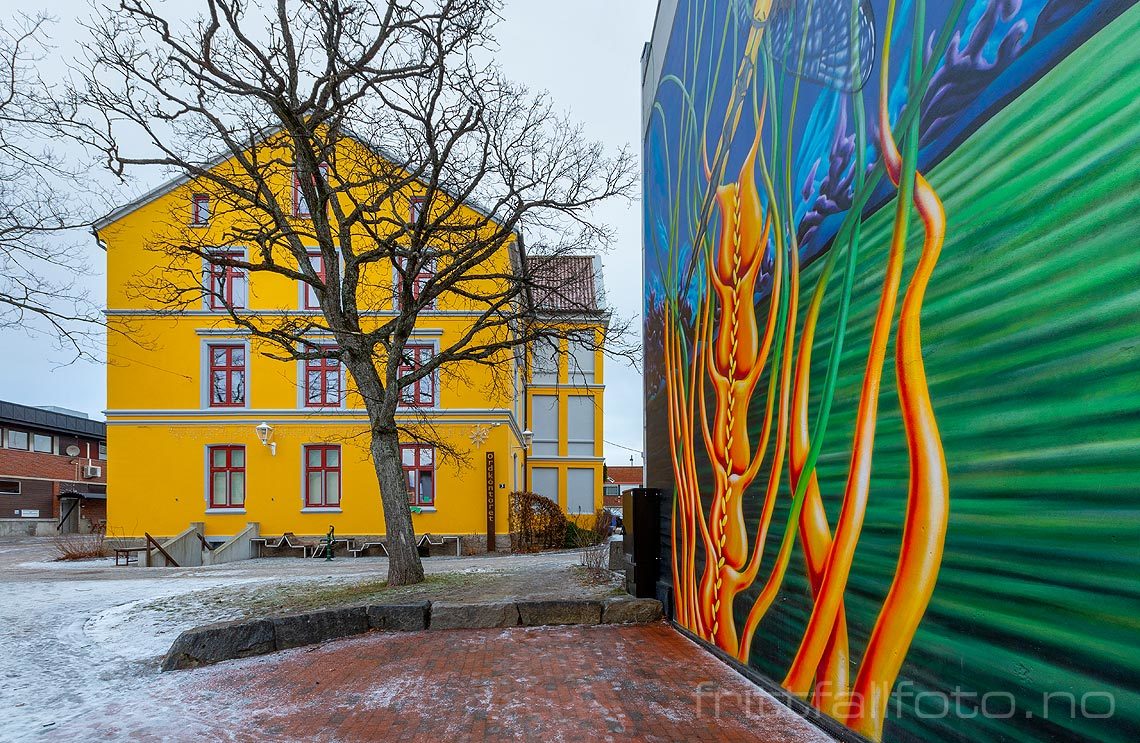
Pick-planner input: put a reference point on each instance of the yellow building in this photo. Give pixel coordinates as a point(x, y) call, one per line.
point(205, 427)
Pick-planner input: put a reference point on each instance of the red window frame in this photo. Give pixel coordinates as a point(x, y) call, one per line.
point(422, 394)
point(418, 460)
point(227, 361)
point(415, 208)
point(300, 206)
point(199, 203)
point(323, 370)
point(419, 282)
point(317, 259)
point(328, 464)
point(222, 280)
point(229, 469)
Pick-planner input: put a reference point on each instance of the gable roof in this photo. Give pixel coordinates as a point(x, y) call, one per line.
point(624, 475)
point(567, 284)
point(183, 178)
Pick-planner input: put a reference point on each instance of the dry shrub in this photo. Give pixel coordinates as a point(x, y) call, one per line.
point(81, 546)
point(592, 542)
point(536, 523)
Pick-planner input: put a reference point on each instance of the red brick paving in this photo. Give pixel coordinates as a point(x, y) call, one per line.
point(542, 684)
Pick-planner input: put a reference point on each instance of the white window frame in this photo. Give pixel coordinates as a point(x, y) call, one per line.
point(534, 479)
point(575, 447)
point(576, 371)
point(574, 509)
point(541, 375)
point(8, 440)
point(538, 403)
point(50, 443)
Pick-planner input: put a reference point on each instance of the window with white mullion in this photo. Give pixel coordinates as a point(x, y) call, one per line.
point(421, 393)
point(580, 411)
point(544, 423)
point(581, 362)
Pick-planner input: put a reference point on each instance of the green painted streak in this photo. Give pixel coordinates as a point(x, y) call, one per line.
point(1031, 336)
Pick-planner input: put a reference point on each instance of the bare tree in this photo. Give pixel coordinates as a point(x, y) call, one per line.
point(418, 170)
point(40, 262)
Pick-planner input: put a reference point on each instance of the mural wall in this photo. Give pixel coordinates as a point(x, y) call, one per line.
point(892, 324)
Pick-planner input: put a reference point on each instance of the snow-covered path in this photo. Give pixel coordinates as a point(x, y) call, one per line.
point(80, 643)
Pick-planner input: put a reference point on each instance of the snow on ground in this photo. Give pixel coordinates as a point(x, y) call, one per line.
point(81, 642)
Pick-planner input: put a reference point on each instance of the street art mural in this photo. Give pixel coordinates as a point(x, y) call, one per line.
point(892, 271)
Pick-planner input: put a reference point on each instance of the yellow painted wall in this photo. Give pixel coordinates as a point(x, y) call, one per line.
point(564, 389)
point(160, 488)
point(159, 426)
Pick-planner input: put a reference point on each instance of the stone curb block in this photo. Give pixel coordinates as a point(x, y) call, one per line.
point(399, 617)
point(446, 615)
point(308, 629)
point(629, 610)
point(213, 643)
point(555, 612)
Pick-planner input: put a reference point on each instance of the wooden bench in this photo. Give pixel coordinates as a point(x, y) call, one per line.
point(127, 555)
point(426, 539)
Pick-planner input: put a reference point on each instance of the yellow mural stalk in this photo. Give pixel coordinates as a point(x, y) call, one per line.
point(735, 366)
point(815, 533)
point(857, 490)
point(928, 496)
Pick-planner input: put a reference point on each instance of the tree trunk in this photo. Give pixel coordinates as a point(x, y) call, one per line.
point(404, 566)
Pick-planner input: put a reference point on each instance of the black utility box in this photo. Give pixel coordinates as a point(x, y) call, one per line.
point(642, 540)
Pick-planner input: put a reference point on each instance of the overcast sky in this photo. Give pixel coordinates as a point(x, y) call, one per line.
point(586, 53)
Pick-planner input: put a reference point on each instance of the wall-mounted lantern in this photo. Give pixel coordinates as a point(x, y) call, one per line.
point(265, 436)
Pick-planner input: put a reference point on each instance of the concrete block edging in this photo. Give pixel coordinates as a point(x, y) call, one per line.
point(214, 643)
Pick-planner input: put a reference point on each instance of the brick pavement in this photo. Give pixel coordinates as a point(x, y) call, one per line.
point(539, 684)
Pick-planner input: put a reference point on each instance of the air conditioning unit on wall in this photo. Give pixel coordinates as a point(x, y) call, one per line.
point(92, 470)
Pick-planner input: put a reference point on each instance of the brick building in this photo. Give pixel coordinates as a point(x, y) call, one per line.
point(619, 480)
point(53, 470)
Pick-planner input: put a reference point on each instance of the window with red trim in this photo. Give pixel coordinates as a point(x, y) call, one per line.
point(420, 394)
point(419, 282)
point(300, 204)
point(317, 260)
point(419, 471)
point(199, 209)
point(322, 476)
point(323, 382)
point(415, 209)
point(225, 285)
point(227, 375)
point(227, 476)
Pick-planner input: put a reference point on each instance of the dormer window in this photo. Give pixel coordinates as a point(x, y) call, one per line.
point(300, 205)
point(199, 209)
point(415, 209)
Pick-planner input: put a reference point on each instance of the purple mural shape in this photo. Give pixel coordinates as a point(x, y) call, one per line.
point(966, 72)
point(835, 191)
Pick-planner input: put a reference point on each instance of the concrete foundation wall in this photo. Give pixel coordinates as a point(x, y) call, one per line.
point(185, 549)
point(237, 548)
point(27, 527)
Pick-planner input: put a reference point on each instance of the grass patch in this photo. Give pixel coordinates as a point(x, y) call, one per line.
point(282, 598)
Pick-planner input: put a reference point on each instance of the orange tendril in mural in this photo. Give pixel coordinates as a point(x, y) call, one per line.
point(719, 366)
